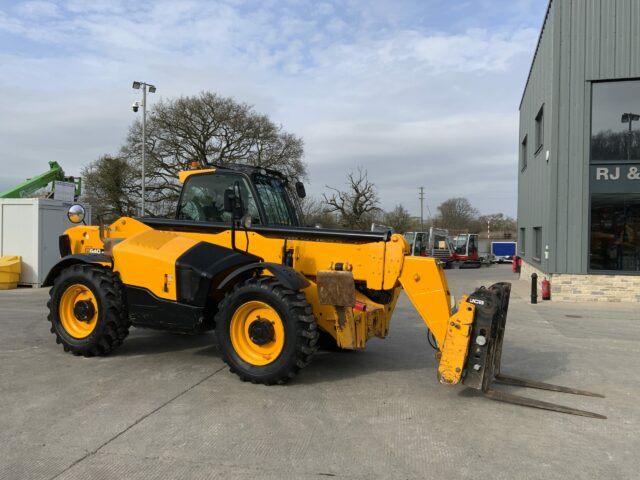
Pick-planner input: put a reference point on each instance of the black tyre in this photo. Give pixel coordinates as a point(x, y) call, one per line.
point(266, 333)
point(87, 310)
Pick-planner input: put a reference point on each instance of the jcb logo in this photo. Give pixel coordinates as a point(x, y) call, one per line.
point(476, 301)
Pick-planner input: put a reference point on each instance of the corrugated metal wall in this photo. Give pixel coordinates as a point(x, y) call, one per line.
point(534, 184)
point(582, 41)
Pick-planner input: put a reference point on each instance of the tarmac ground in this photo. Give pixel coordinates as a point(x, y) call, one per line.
point(165, 406)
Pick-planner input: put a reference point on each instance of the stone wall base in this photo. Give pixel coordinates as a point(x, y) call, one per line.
point(570, 287)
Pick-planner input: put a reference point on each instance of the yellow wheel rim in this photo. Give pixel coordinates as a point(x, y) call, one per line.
point(74, 326)
point(250, 351)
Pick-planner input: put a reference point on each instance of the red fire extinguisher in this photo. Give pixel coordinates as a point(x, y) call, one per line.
point(546, 289)
point(516, 264)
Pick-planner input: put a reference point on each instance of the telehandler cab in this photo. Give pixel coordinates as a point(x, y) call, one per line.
point(236, 259)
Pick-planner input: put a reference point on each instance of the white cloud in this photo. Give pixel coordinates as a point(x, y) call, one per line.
point(38, 9)
point(416, 106)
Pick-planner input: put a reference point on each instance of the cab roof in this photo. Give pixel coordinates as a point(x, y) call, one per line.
point(233, 167)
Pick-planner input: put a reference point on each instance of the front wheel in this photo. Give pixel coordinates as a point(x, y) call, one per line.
point(266, 333)
point(87, 311)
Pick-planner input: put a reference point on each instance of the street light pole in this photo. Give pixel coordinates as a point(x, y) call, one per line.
point(152, 89)
point(421, 209)
point(144, 141)
point(629, 118)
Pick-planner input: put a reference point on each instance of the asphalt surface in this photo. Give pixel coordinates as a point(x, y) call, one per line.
point(164, 406)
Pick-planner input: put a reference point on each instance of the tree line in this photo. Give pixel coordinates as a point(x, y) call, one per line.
point(357, 207)
point(211, 129)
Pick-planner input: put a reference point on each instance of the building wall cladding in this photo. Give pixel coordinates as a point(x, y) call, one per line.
point(534, 196)
point(581, 41)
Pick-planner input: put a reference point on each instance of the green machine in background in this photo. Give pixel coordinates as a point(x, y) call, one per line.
point(29, 186)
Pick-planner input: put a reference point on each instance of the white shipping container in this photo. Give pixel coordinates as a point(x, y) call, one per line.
point(30, 227)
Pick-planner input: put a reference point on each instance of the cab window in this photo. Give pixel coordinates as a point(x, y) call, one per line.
point(473, 247)
point(274, 200)
point(202, 198)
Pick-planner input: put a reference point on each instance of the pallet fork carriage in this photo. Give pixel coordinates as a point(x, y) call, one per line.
point(490, 355)
point(236, 259)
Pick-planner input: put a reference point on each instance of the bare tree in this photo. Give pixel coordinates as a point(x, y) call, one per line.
point(206, 128)
point(110, 186)
point(357, 205)
point(457, 214)
point(316, 214)
point(497, 222)
point(399, 219)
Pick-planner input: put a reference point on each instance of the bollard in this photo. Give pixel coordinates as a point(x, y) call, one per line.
point(534, 288)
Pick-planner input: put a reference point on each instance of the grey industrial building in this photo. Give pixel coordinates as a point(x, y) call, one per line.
point(579, 161)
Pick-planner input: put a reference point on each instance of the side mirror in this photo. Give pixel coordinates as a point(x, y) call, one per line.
point(233, 201)
point(228, 200)
point(300, 190)
point(76, 213)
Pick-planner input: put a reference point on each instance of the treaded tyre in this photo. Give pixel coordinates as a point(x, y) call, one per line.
point(87, 310)
point(266, 332)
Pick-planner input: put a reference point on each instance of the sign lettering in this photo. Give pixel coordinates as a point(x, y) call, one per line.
point(615, 178)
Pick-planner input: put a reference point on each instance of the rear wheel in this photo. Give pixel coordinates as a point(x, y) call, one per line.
point(266, 333)
point(87, 310)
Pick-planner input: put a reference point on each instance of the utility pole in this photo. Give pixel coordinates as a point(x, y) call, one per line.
point(152, 89)
point(144, 142)
point(421, 209)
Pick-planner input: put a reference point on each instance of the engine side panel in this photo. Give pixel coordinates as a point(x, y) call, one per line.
point(148, 260)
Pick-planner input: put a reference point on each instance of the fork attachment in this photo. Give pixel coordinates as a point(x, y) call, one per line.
point(482, 367)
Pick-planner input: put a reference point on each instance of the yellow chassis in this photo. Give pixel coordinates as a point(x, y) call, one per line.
point(145, 257)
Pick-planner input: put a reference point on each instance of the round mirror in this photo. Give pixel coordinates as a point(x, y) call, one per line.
point(75, 213)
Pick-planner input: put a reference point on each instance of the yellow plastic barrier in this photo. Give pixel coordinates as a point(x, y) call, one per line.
point(9, 272)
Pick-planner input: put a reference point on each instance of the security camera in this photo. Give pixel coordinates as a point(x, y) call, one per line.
point(135, 106)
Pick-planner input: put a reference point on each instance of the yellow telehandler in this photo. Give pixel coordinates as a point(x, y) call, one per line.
point(236, 259)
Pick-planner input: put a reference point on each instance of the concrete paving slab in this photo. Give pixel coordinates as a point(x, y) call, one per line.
point(164, 406)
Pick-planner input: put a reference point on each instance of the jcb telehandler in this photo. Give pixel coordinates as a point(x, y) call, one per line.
point(236, 259)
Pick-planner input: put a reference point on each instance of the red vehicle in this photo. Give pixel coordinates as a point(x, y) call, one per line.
point(465, 250)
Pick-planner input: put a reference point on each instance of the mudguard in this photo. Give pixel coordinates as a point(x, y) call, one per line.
point(288, 277)
point(88, 258)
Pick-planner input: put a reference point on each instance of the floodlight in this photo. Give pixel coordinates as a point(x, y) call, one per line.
point(629, 117)
point(137, 85)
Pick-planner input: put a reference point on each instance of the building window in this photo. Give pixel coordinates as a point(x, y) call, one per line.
point(540, 129)
point(615, 232)
point(615, 121)
point(523, 153)
point(537, 243)
point(521, 240)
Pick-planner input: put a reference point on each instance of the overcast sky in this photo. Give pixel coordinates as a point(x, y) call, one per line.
point(420, 93)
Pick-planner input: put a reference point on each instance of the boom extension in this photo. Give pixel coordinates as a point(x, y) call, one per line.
point(470, 339)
